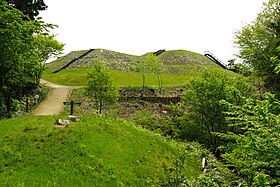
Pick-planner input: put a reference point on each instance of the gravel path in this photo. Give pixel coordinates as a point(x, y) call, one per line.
point(53, 104)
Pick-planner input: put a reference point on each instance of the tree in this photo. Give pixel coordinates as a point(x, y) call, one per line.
point(155, 66)
point(253, 151)
point(29, 8)
point(258, 40)
point(204, 112)
point(149, 64)
point(20, 54)
point(141, 67)
point(48, 47)
point(100, 86)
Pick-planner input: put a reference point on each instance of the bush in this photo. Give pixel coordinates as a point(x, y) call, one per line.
point(204, 113)
point(253, 152)
point(100, 86)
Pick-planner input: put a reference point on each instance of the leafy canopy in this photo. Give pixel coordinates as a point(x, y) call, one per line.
point(29, 8)
point(258, 41)
point(253, 151)
point(100, 86)
point(204, 112)
point(24, 46)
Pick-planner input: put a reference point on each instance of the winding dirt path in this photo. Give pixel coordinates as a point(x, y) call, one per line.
point(53, 104)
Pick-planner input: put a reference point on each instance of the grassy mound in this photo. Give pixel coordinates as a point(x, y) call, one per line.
point(93, 152)
point(120, 61)
point(178, 66)
point(59, 62)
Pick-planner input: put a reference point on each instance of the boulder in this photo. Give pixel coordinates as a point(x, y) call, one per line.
point(74, 118)
point(63, 122)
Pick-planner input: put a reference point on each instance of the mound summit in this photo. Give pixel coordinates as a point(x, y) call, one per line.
point(120, 61)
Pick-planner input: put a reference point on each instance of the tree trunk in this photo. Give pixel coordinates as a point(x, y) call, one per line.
point(159, 82)
point(143, 81)
point(8, 102)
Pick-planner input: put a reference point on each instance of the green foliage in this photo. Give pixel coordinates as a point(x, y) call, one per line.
point(143, 66)
point(48, 46)
point(30, 8)
point(216, 174)
point(257, 42)
point(242, 69)
point(253, 151)
point(100, 86)
point(155, 66)
point(275, 60)
point(204, 113)
point(175, 175)
point(20, 54)
point(92, 152)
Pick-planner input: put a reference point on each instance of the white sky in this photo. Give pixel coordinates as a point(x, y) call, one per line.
point(140, 26)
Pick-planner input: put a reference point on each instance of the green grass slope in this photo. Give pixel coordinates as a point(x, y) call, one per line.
point(93, 152)
point(178, 66)
point(78, 77)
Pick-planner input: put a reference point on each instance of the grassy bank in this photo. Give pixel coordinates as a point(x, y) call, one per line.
point(93, 152)
point(77, 77)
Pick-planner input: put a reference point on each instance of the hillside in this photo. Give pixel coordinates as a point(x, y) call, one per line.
point(120, 61)
point(93, 152)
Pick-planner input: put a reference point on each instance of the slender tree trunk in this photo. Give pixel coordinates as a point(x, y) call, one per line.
point(144, 81)
point(40, 73)
point(159, 82)
point(8, 102)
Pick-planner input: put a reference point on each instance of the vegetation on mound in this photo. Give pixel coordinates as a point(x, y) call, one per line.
point(60, 61)
point(93, 152)
point(183, 57)
point(121, 61)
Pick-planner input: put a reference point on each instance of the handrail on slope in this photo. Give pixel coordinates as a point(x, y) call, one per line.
point(74, 60)
point(215, 59)
point(157, 53)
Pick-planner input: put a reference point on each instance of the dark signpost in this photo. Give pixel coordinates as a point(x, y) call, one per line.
point(72, 103)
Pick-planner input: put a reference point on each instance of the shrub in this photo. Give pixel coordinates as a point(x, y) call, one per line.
point(204, 113)
point(253, 152)
point(100, 86)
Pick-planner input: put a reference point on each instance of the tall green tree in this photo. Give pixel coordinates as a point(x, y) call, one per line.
point(48, 47)
point(253, 151)
point(204, 112)
point(21, 54)
point(258, 40)
point(100, 86)
point(29, 8)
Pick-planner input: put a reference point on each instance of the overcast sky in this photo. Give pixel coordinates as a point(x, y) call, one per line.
point(140, 26)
